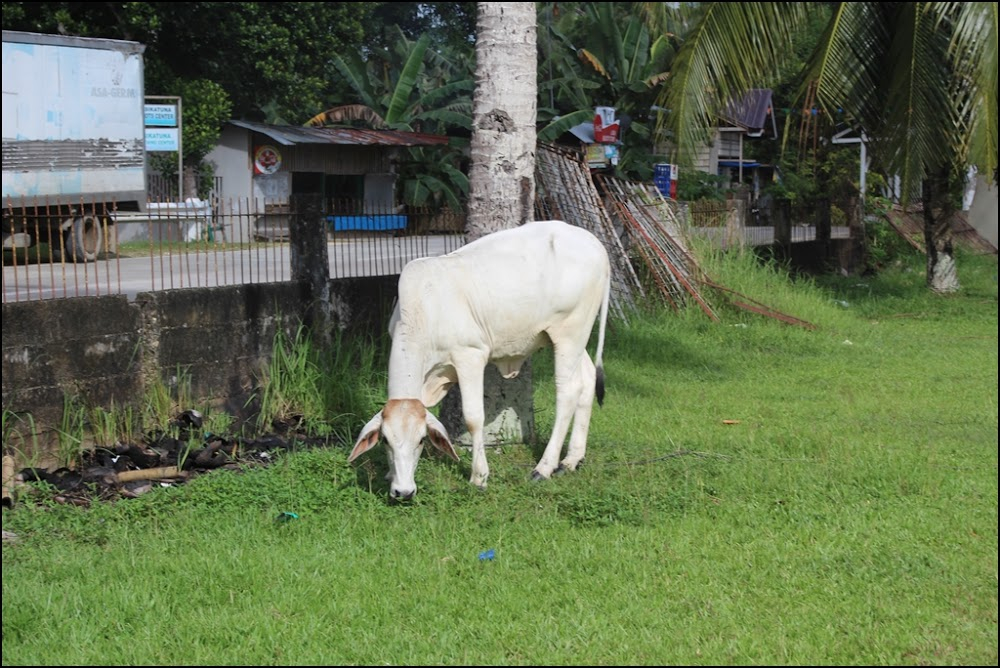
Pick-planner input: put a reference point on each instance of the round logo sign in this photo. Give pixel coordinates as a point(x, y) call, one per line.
point(266, 160)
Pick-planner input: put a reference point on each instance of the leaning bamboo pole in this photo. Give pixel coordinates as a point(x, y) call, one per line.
point(654, 221)
point(157, 473)
point(636, 224)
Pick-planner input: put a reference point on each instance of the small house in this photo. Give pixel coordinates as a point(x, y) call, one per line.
point(750, 117)
point(260, 166)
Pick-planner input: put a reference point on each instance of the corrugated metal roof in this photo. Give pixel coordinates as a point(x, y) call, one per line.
point(290, 135)
point(749, 112)
point(584, 132)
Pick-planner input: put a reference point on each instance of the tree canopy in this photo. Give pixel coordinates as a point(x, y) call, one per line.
point(918, 78)
point(926, 78)
point(271, 59)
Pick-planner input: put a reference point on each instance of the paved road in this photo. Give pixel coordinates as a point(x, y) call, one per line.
point(349, 258)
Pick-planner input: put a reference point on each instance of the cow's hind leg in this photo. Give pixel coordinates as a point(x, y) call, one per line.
point(569, 384)
point(577, 449)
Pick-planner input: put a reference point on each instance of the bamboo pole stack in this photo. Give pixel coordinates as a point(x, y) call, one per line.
point(565, 191)
point(640, 228)
point(656, 237)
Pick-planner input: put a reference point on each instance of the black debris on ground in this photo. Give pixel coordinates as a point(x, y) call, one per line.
point(128, 470)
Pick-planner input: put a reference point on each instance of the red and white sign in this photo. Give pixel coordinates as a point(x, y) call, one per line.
point(266, 160)
point(605, 126)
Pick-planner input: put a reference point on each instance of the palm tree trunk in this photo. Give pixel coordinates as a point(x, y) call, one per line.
point(502, 186)
point(504, 111)
point(942, 274)
point(190, 183)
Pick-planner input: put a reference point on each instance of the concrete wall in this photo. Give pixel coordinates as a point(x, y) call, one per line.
point(217, 338)
point(983, 211)
point(87, 346)
point(107, 352)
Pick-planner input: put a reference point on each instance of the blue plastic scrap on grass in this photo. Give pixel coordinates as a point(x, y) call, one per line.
point(487, 555)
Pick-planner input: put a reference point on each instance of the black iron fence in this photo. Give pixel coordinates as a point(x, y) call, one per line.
point(93, 249)
point(96, 249)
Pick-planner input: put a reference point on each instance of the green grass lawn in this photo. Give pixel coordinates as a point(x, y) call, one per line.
point(754, 493)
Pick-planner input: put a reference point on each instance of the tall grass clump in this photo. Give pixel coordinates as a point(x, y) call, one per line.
point(320, 391)
point(764, 281)
point(163, 401)
point(20, 437)
point(71, 433)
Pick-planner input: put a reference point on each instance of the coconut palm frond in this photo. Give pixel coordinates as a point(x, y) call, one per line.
point(917, 134)
point(973, 53)
point(732, 47)
point(845, 63)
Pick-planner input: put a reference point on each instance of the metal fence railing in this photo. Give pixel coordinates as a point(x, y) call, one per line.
point(202, 243)
point(764, 222)
point(92, 249)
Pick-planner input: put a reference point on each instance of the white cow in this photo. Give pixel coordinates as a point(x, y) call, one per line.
point(497, 299)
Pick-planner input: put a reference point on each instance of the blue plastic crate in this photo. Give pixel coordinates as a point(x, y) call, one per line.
point(367, 223)
point(661, 170)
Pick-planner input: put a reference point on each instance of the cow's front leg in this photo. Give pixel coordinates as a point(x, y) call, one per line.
point(480, 467)
point(470, 380)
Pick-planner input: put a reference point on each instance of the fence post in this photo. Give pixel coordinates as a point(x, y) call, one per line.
point(310, 261)
point(783, 224)
point(823, 227)
point(856, 248)
point(735, 224)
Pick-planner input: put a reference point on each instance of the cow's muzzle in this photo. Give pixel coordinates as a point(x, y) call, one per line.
point(401, 494)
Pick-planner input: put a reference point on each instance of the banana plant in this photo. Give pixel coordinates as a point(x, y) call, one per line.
point(620, 68)
point(414, 88)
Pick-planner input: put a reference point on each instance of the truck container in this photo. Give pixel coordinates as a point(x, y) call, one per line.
point(73, 140)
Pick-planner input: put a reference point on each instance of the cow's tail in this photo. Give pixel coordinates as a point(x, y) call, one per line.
point(599, 356)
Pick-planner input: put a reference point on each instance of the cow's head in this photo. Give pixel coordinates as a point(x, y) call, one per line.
point(404, 423)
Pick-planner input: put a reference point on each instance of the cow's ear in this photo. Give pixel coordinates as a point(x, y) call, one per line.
point(439, 436)
point(368, 437)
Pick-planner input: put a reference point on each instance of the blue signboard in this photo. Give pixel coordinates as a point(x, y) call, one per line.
point(162, 139)
point(161, 115)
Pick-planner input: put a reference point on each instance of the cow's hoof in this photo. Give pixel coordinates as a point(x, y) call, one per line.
point(566, 468)
point(537, 477)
